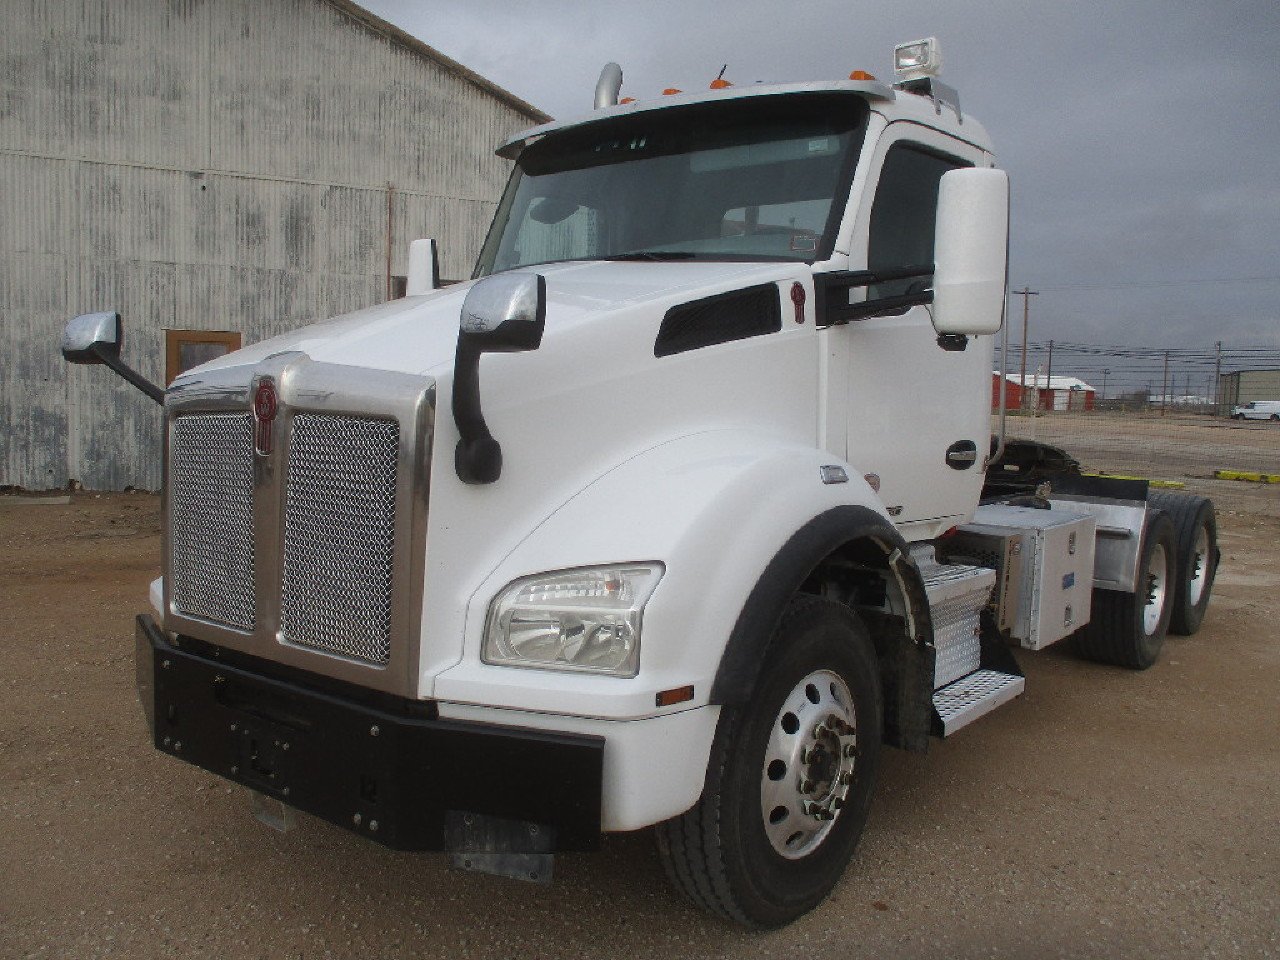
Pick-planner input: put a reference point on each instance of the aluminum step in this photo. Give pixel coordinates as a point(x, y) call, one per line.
point(960, 703)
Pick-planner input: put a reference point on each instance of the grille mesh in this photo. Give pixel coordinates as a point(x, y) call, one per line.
point(211, 523)
point(339, 535)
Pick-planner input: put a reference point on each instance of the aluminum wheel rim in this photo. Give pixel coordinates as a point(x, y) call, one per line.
point(1199, 566)
point(1157, 588)
point(808, 764)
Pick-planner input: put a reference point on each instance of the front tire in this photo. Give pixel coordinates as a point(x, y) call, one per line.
point(1128, 629)
point(790, 776)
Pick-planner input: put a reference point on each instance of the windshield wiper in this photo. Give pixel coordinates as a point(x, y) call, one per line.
point(653, 255)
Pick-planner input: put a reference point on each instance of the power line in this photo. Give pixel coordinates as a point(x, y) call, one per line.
point(1147, 284)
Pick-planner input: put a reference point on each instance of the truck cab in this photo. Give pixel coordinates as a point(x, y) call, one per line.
point(640, 526)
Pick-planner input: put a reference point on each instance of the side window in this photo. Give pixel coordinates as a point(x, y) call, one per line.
point(902, 214)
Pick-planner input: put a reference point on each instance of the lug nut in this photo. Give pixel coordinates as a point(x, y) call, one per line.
point(356, 819)
point(820, 730)
point(373, 826)
point(849, 750)
point(374, 731)
point(846, 778)
point(806, 785)
point(284, 792)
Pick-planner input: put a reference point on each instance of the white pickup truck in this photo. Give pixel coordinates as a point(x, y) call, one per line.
point(671, 517)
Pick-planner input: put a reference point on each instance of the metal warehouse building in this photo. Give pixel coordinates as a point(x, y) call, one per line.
point(1243, 386)
point(218, 171)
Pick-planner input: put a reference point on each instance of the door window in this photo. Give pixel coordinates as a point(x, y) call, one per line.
point(903, 214)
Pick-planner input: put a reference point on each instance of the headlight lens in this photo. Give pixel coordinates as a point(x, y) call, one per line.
point(585, 620)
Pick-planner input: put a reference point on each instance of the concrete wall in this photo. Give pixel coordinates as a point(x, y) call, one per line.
point(211, 164)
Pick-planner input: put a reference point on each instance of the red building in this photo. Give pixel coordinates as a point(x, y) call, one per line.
point(1042, 393)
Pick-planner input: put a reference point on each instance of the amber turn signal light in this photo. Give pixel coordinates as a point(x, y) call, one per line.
point(668, 698)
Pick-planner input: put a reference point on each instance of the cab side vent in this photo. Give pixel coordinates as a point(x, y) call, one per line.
point(751, 312)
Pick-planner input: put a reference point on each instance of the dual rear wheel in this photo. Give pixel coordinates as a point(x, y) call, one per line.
point(1177, 562)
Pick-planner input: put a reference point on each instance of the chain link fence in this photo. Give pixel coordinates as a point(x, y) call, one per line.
point(1164, 413)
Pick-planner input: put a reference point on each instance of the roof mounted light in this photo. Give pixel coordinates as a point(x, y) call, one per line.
point(917, 59)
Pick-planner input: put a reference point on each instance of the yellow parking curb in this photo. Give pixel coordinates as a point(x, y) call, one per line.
point(1171, 484)
point(1247, 475)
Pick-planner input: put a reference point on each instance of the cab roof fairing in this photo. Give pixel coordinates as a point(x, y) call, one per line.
point(884, 99)
point(872, 90)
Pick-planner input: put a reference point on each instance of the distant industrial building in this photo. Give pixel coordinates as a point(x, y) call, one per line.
point(1244, 386)
point(219, 171)
point(1042, 393)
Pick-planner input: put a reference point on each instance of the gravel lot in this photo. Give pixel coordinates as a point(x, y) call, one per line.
point(1105, 813)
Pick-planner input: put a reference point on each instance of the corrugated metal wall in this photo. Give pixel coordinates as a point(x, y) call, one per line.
point(1243, 386)
point(208, 164)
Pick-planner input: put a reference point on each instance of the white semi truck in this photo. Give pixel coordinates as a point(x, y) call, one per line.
point(669, 518)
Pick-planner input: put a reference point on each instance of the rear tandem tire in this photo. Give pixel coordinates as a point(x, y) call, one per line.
point(1195, 529)
point(1128, 629)
point(789, 778)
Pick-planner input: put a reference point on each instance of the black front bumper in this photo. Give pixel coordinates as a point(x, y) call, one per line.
point(401, 780)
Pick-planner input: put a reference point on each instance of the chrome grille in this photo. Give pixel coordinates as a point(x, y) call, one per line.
point(339, 535)
point(211, 517)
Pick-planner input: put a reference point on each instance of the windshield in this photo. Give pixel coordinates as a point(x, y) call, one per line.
point(752, 179)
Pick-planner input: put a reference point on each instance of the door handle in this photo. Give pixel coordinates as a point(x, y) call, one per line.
point(962, 454)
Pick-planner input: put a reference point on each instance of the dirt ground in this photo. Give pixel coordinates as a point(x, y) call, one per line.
point(1104, 813)
point(1173, 447)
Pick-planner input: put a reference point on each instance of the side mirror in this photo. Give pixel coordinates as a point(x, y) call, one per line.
point(424, 268)
point(96, 338)
point(90, 335)
point(505, 313)
point(971, 252)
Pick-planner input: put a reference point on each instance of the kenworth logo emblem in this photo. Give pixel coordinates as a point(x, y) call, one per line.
point(264, 413)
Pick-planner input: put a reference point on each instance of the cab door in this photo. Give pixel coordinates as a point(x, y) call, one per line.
point(918, 414)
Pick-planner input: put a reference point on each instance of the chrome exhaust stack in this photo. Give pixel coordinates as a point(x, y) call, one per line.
point(608, 85)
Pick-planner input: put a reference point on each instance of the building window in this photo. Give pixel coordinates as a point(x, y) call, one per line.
point(185, 349)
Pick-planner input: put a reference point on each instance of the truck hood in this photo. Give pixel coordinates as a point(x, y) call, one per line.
point(418, 335)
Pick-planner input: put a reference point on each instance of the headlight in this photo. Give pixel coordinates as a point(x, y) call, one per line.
point(585, 620)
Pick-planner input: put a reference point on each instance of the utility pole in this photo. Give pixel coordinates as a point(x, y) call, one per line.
point(1026, 293)
point(1105, 371)
point(1048, 375)
point(1164, 388)
point(1217, 379)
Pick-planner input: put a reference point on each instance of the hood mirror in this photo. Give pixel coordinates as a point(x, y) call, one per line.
point(90, 335)
point(96, 338)
point(504, 313)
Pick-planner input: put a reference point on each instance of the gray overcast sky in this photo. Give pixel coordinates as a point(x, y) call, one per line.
point(1141, 136)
